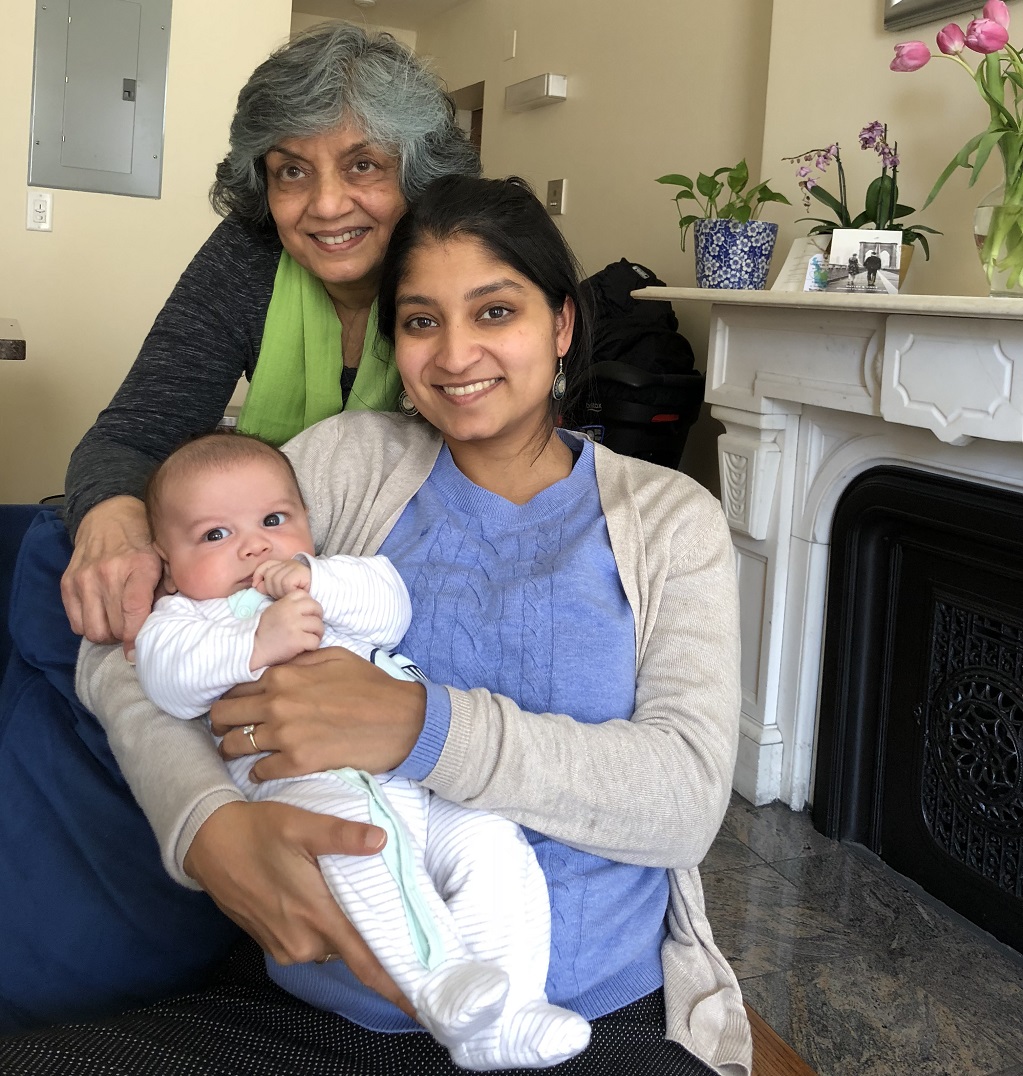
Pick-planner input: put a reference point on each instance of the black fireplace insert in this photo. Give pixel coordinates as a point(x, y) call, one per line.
point(920, 738)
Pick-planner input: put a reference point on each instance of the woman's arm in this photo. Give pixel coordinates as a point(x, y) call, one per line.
point(256, 860)
point(206, 336)
point(650, 788)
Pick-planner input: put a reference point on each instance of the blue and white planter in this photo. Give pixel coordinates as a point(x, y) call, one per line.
point(731, 254)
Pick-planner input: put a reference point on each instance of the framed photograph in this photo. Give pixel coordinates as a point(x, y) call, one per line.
point(901, 14)
point(860, 260)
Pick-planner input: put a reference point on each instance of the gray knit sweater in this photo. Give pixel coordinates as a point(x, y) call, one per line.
point(651, 790)
point(204, 339)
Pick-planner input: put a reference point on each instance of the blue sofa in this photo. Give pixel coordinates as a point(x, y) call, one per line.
point(91, 922)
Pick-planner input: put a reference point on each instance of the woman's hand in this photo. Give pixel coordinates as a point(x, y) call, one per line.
point(258, 863)
point(110, 585)
point(322, 711)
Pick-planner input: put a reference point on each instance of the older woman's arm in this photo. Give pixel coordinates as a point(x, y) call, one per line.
point(206, 336)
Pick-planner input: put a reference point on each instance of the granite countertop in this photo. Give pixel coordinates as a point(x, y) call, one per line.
point(12, 342)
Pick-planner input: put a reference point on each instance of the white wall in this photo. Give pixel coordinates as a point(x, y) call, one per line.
point(86, 294)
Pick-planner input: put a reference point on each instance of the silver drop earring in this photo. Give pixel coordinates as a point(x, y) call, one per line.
point(560, 385)
point(406, 406)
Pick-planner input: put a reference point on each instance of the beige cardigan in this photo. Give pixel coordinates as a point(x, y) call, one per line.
point(650, 789)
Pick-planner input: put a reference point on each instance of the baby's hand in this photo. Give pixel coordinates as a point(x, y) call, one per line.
point(275, 578)
point(289, 627)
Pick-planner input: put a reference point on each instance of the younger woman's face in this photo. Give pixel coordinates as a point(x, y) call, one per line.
point(477, 345)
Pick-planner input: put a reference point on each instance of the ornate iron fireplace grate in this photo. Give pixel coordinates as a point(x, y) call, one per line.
point(920, 740)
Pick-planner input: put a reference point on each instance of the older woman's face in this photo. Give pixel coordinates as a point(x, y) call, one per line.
point(335, 200)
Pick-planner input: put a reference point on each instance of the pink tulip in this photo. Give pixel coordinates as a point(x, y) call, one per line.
point(986, 36)
point(996, 11)
point(951, 40)
point(911, 56)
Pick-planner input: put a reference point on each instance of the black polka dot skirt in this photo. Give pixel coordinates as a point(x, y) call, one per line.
point(242, 1024)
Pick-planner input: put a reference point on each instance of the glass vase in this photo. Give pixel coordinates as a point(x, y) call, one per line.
point(998, 233)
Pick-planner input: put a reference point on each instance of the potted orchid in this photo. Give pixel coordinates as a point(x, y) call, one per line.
point(998, 223)
point(733, 246)
point(882, 209)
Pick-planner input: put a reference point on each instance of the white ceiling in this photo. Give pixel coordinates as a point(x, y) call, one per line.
point(401, 14)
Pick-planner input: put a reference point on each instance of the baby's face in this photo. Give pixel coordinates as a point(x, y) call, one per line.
point(216, 526)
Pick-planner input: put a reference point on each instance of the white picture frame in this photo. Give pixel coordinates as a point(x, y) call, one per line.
point(902, 14)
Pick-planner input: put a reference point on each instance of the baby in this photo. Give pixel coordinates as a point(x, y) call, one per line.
point(228, 519)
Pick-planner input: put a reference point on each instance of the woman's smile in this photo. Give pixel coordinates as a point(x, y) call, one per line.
point(477, 345)
point(471, 390)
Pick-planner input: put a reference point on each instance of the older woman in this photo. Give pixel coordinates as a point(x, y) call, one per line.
point(576, 613)
point(333, 134)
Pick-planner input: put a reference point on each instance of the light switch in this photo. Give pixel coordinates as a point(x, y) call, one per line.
point(40, 211)
point(556, 197)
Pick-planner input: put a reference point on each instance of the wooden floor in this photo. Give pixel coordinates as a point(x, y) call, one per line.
point(772, 1056)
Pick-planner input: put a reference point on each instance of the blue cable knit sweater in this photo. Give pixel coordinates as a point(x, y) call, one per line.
point(518, 599)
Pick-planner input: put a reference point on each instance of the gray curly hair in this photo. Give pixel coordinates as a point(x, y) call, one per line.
point(333, 74)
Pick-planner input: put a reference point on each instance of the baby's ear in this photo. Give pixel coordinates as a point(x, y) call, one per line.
point(167, 580)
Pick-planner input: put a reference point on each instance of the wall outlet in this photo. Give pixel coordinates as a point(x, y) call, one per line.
point(39, 216)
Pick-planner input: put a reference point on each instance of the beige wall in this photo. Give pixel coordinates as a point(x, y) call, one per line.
point(829, 78)
point(645, 96)
point(301, 21)
point(652, 88)
point(86, 294)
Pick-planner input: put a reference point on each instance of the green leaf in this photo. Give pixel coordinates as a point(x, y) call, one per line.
point(832, 203)
point(708, 186)
point(988, 74)
point(988, 141)
point(958, 161)
point(772, 196)
point(738, 177)
point(682, 194)
point(685, 223)
point(676, 180)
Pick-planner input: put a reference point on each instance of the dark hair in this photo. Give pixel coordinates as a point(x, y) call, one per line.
point(507, 219)
point(328, 75)
point(208, 452)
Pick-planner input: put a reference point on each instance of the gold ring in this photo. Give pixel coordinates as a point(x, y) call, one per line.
point(249, 730)
point(327, 959)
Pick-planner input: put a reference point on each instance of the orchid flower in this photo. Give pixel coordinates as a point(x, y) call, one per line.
point(882, 209)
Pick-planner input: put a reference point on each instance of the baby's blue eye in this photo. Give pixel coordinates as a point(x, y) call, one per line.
point(274, 519)
point(218, 534)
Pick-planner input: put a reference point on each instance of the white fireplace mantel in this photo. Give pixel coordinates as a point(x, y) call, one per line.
point(813, 389)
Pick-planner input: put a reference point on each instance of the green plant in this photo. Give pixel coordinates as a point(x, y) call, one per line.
point(742, 205)
point(882, 209)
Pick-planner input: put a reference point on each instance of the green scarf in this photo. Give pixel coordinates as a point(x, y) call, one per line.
point(297, 380)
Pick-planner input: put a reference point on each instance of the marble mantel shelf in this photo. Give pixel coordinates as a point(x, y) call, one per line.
point(961, 306)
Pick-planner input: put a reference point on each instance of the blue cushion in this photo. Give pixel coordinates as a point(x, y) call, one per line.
point(91, 922)
point(14, 521)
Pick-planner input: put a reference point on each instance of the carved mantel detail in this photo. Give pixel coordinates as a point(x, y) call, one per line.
point(812, 391)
